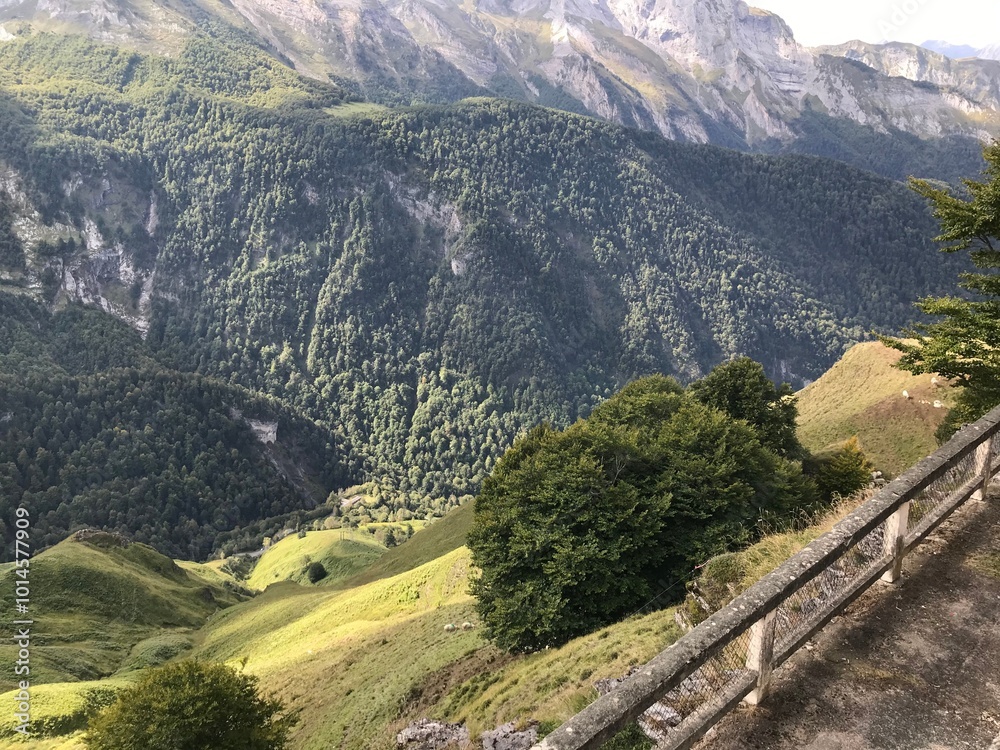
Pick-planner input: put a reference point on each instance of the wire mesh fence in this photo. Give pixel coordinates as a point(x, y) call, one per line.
point(801, 610)
point(964, 470)
point(715, 682)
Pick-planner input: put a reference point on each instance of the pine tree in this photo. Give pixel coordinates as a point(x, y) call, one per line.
point(964, 344)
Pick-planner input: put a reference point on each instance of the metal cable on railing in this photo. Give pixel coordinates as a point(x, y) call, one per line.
point(728, 658)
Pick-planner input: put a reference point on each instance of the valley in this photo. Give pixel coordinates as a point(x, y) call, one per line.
point(422, 359)
point(419, 282)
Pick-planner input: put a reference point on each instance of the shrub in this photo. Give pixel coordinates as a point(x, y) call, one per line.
point(315, 572)
point(577, 529)
point(192, 705)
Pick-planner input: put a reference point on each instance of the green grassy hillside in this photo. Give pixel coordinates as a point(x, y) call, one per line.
point(342, 553)
point(862, 395)
point(439, 538)
point(349, 659)
point(369, 652)
point(360, 662)
point(103, 610)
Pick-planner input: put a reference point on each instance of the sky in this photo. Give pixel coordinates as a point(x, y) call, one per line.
point(815, 22)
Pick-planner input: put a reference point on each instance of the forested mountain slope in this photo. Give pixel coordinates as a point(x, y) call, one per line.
point(94, 433)
point(428, 282)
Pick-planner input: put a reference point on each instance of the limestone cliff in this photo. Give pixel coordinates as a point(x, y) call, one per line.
point(716, 70)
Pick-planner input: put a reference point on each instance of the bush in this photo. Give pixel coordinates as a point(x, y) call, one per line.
point(315, 572)
point(844, 472)
point(192, 705)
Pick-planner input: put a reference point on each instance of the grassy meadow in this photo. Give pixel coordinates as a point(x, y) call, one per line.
point(342, 553)
point(863, 395)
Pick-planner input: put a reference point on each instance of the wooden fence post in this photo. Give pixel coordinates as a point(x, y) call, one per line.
point(895, 541)
point(983, 455)
point(760, 656)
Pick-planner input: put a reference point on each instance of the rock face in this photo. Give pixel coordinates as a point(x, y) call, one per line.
point(78, 263)
point(707, 71)
point(266, 432)
point(713, 70)
point(508, 737)
point(425, 734)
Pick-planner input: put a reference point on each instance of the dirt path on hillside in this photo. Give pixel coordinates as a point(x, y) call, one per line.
point(910, 666)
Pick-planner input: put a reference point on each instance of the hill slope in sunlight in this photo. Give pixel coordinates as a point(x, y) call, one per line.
point(862, 395)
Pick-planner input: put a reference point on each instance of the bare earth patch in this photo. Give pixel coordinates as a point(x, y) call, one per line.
point(910, 666)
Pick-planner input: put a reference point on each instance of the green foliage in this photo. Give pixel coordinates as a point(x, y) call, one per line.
point(192, 705)
point(963, 343)
point(843, 472)
point(576, 529)
point(158, 455)
point(239, 567)
point(74, 341)
point(427, 283)
point(315, 572)
point(742, 390)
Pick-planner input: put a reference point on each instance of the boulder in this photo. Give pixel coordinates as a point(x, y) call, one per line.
point(509, 737)
point(425, 734)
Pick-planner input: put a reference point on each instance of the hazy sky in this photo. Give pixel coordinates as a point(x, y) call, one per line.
point(973, 22)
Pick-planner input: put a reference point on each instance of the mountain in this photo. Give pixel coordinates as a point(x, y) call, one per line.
point(960, 51)
point(425, 283)
point(954, 51)
point(717, 71)
point(992, 52)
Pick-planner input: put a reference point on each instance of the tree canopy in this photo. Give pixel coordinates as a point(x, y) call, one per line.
point(577, 528)
point(192, 706)
point(963, 343)
point(742, 390)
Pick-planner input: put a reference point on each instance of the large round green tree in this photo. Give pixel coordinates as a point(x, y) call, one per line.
point(192, 705)
point(578, 528)
point(964, 342)
point(742, 390)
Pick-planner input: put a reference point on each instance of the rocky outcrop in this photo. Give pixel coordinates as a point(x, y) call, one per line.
point(509, 737)
point(425, 734)
point(717, 70)
point(265, 432)
point(72, 260)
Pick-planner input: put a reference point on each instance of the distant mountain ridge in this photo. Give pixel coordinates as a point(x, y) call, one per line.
point(717, 71)
point(960, 51)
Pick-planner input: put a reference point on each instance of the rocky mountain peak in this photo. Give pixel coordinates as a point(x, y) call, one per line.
point(714, 70)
